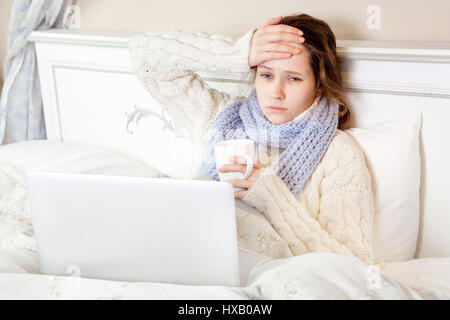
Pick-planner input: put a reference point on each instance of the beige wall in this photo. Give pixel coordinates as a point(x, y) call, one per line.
point(410, 20)
point(414, 20)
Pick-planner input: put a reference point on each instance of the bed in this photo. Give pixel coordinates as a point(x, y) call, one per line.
point(100, 120)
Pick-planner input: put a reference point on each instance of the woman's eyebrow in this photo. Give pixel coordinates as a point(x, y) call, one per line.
point(285, 71)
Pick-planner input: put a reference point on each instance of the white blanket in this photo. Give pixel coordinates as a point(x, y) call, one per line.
point(308, 276)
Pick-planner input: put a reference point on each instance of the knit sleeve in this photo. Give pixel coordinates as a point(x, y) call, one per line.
point(344, 217)
point(166, 64)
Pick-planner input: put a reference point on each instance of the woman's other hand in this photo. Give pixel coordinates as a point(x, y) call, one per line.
point(274, 41)
point(239, 165)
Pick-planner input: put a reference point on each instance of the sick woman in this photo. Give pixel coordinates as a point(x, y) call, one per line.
point(313, 191)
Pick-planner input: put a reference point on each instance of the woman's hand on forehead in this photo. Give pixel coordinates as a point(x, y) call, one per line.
point(274, 25)
point(274, 41)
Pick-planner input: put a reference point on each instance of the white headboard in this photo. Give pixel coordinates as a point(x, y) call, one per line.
point(90, 96)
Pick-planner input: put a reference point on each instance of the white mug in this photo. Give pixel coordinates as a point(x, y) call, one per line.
point(236, 147)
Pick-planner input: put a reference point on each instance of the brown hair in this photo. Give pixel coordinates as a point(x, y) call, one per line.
point(321, 44)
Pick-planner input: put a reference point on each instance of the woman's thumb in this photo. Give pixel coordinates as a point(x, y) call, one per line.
point(272, 21)
point(275, 20)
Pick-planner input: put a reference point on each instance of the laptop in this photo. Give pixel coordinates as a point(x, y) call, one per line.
point(136, 228)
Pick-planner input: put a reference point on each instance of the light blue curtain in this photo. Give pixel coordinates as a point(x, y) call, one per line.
point(21, 114)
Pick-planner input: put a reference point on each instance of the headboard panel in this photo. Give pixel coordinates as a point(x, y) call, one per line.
point(91, 96)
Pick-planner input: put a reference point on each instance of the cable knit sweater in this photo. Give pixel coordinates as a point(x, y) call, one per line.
point(334, 211)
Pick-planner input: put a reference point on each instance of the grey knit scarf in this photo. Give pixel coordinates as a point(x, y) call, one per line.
point(304, 140)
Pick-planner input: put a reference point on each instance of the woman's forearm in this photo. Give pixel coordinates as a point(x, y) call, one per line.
point(190, 50)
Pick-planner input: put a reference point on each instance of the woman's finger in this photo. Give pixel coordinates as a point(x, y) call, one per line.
point(275, 37)
point(233, 168)
point(292, 48)
point(281, 28)
point(272, 21)
point(240, 194)
point(241, 183)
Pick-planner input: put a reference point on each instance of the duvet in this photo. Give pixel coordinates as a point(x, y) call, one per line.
point(308, 276)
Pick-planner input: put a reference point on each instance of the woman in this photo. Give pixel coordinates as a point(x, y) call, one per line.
point(317, 194)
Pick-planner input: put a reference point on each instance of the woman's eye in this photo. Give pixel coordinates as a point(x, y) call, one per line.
point(268, 75)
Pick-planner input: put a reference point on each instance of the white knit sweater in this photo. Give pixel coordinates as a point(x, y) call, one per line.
point(333, 213)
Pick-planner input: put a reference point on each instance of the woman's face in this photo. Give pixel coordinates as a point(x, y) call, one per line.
point(285, 83)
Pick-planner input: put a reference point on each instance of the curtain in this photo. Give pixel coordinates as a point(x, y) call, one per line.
point(21, 113)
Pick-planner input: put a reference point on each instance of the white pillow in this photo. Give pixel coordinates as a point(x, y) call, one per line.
point(393, 156)
point(45, 155)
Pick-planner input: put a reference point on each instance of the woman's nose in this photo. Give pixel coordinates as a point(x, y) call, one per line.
point(277, 93)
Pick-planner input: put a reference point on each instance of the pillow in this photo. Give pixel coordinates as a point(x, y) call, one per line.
point(393, 157)
point(45, 155)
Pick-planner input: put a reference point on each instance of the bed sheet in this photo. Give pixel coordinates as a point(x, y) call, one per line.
point(424, 272)
point(309, 276)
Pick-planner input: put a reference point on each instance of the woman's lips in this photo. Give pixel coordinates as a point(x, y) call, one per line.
point(276, 109)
